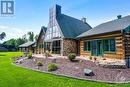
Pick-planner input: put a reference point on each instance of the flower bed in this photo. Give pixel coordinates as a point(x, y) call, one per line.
point(76, 69)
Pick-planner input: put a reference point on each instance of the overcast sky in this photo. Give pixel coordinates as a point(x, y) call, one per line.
point(30, 15)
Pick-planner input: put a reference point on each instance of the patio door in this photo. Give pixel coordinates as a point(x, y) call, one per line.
point(97, 48)
point(94, 48)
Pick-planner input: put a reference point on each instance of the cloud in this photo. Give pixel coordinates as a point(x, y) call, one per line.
point(14, 32)
point(3, 27)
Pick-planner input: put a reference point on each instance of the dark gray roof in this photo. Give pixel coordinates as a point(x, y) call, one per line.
point(44, 29)
point(42, 32)
point(71, 27)
point(111, 26)
point(29, 43)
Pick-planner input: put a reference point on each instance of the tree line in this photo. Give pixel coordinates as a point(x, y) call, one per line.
point(15, 42)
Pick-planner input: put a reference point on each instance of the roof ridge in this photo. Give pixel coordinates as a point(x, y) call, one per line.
point(112, 21)
point(107, 27)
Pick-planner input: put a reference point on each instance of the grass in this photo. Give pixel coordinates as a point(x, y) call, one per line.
point(13, 76)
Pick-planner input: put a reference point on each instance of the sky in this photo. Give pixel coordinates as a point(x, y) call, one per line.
point(30, 15)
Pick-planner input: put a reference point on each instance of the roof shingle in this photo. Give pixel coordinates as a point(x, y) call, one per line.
point(114, 25)
point(71, 27)
point(27, 44)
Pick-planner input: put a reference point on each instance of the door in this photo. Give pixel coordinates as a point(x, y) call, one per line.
point(94, 48)
point(97, 48)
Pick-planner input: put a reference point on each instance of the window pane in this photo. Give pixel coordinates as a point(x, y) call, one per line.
point(112, 45)
point(106, 45)
point(88, 46)
point(85, 46)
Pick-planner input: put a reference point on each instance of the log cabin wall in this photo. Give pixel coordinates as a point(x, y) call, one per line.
point(119, 41)
point(127, 44)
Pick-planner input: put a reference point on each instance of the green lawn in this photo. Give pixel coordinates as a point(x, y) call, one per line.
point(13, 76)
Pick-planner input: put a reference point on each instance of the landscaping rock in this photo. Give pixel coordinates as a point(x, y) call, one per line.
point(81, 61)
point(54, 60)
point(76, 67)
point(88, 72)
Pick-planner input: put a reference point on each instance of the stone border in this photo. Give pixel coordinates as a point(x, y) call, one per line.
point(62, 75)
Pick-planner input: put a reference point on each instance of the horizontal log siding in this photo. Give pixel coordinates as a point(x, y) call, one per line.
point(120, 52)
point(127, 45)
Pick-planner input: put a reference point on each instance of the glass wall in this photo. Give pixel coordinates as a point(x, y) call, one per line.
point(52, 33)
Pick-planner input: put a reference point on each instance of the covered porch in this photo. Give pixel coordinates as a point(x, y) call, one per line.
point(28, 46)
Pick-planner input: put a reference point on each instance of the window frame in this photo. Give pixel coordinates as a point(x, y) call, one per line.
point(86, 48)
point(109, 46)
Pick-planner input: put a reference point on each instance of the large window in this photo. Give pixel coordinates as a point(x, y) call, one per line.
point(56, 47)
point(109, 45)
point(52, 33)
point(87, 46)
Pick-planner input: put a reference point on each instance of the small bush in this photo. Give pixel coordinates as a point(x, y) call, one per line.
point(39, 63)
point(52, 67)
point(90, 57)
point(30, 55)
point(47, 54)
point(71, 56)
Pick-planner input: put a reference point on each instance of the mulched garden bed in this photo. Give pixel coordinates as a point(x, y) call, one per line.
point(76, 69)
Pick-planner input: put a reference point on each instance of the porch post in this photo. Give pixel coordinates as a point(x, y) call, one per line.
point(51, 46)
point(61, 50)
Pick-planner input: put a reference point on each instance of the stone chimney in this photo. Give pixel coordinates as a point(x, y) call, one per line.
point(119, 16)
point(83, 19)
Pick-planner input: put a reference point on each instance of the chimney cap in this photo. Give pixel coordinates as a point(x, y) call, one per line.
point(119, 16)
point(83, 19)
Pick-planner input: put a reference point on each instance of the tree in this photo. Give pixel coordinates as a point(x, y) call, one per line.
point(14, 42)
point(2, 35)
point(31, 36)
point(10, 42)
point(24, 38)
point(20, 41)
point(36, 37)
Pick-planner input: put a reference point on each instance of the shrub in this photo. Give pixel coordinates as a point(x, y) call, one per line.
point(52, 67)
point(25, 54)
point(30, 55)
point(47, 54)
point(39, 63)
point(71, 56)
point(90, 57)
